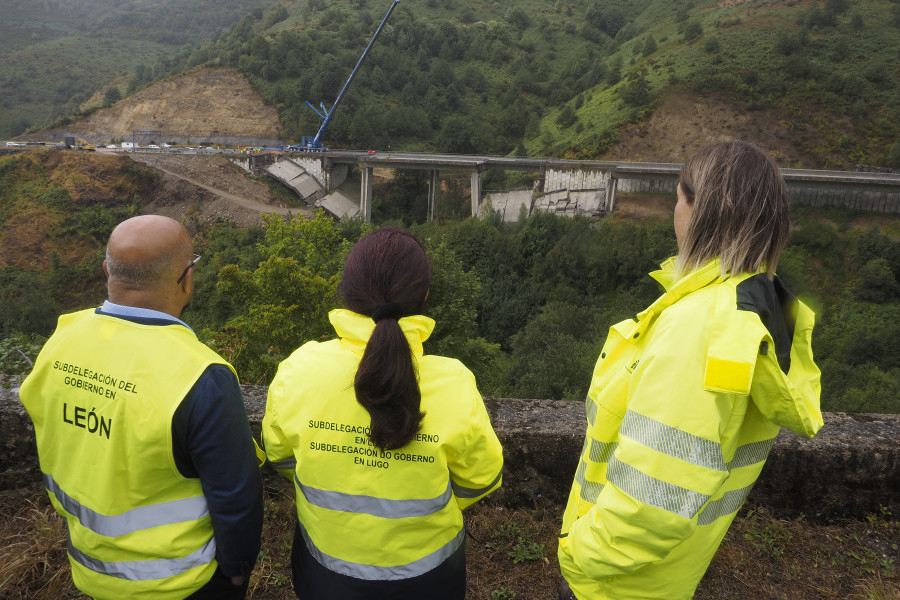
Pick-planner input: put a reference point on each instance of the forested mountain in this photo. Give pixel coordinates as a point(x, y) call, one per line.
point(525, 305)
point(55, 55)
point(562, 78)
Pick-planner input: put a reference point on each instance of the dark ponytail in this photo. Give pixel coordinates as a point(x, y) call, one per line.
point(387, 276)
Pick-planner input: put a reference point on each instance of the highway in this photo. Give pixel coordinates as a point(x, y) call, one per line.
point(480, 163)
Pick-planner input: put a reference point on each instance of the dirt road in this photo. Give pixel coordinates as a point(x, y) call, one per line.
point(209, 189)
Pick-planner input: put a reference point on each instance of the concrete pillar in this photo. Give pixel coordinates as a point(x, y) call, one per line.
point(328, 178)
point(433, 189)
point(476, 193)
point(365, 194)
point(541, 183)
point(611, 192)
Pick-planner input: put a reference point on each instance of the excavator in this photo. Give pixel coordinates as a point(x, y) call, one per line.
point(79, 144)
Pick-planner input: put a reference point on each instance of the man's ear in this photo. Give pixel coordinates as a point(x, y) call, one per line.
point(105, 270)
point(187, 284)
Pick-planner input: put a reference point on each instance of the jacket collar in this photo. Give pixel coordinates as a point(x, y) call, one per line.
point(355, 329)
point(675, 288)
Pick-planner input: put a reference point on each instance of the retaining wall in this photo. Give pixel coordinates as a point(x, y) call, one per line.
point(850, 469)
point(575, 179)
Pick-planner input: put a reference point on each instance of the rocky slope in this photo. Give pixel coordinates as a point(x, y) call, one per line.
point(203, 105)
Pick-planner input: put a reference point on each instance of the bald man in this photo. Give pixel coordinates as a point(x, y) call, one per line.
point(142, 436)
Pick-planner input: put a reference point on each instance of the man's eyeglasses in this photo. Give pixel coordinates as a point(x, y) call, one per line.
point(188, 268)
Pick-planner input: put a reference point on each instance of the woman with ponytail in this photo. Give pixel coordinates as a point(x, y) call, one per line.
point(385, 444)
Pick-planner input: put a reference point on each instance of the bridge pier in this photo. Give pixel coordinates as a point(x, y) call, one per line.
point(611, 192)
point(434, 188)
point(365, 194)
point(476, 192)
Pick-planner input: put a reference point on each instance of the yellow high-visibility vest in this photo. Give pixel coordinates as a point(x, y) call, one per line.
point(102, 395)
point(684, 405)
point(364, 512)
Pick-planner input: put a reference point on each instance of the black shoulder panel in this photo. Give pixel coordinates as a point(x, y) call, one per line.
point(774, 304)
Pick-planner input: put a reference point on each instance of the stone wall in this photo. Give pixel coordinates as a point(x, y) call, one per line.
point(575, 179)
point(850, 469)
point(858, 196)
point(875, 200)
point(647, 186)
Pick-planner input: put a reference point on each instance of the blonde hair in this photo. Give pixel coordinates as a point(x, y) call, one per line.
point(739, 209)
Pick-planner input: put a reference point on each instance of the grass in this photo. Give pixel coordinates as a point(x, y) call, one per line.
point(512, 554)
point(33, 554)
point(56, 52)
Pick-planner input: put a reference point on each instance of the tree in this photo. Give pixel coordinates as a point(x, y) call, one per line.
point(112, 95)
point(614, 75)
point(692, 30)
point(315, 244)
point(876, 282)
point(609, 20)
point(554, 355)
point(836, 7)
point(286, 305)
point(518, 18)
point(636, 93)
point(567, 116)
point(892, 156)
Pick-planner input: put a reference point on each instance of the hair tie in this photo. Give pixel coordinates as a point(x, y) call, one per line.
point(390, 310)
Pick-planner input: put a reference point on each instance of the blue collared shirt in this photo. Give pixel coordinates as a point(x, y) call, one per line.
point(139, 314)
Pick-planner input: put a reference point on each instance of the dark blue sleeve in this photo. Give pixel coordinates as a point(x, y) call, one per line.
point(212, 441)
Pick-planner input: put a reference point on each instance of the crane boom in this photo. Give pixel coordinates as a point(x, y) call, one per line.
point(316, 143)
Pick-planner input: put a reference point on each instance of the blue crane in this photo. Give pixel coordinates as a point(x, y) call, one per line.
point(315, 144)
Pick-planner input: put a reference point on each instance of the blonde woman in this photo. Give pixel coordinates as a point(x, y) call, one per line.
point(687, 398)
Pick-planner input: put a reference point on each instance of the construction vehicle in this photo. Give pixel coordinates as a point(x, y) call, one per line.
point(314, 144)
point(79, 144)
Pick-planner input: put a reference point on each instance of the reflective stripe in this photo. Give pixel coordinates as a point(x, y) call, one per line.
point(726, 505)
point(655, 492)
point(136, 519)
point(673, 442)
point(143, 570)
point(590, 408)
point(372, 572)
point(379, 507)
point(602, 451)
point(590, 490)
point(751, 454)
point(599, 452)
point(466, 492)
point(579, 473)
point(287, 463)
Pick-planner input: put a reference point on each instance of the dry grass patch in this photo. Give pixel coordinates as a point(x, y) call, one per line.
point(33, 549)
point(512, 554)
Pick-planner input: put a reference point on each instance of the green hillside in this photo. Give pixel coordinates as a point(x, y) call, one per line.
point(538, 78)
point(55, 54)
point(561, 78)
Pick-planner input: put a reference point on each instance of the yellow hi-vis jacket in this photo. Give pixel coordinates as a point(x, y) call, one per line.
point(102, 395)
point(685, 403)
point(363, 512)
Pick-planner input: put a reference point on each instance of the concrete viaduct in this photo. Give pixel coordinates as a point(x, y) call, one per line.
point(561, 186)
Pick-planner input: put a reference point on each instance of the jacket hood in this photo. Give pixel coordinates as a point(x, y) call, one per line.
point(355, 329)
point(786, 381)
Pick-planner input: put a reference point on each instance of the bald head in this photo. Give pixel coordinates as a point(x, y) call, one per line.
point(144, 258)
